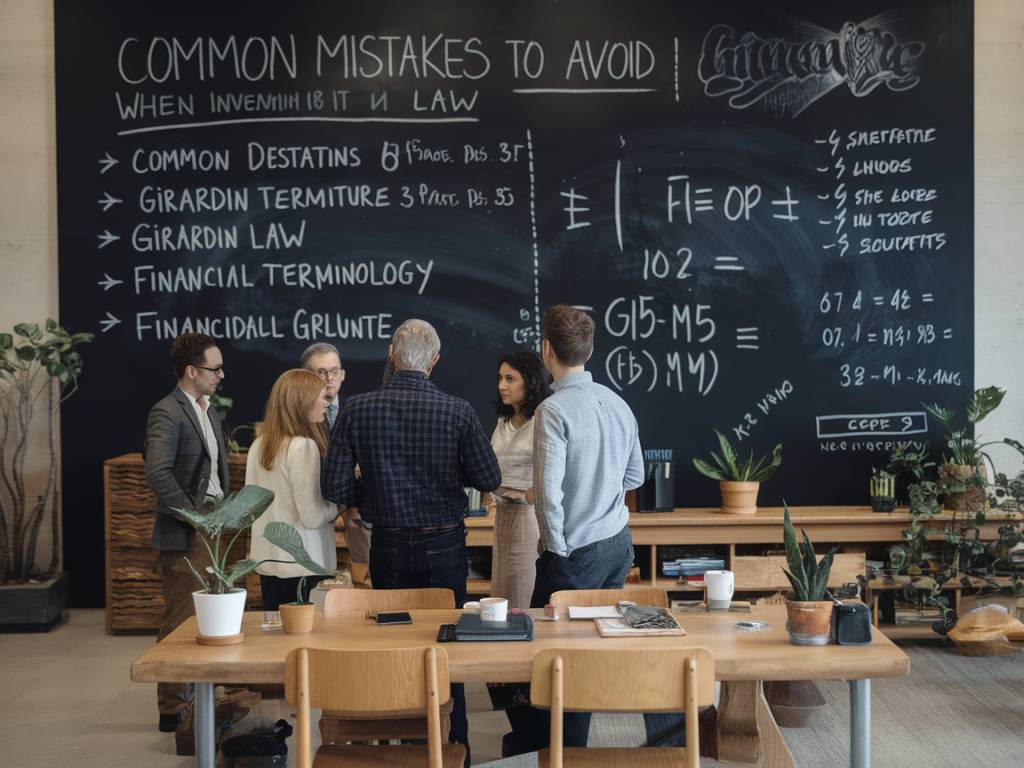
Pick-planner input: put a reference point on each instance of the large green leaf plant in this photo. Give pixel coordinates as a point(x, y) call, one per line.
point(222, 521)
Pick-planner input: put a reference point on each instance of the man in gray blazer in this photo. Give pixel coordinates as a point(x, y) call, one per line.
point(186, 461)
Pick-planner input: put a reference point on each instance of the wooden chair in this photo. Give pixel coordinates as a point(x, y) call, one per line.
point(623, 680)
point(590, 597)
point(371, 682)
point(338, 727)
point(341, 600)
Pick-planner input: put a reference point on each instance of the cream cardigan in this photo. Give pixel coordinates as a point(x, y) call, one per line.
point(295, 481)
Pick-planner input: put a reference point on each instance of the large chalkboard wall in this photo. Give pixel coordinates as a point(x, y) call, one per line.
point(767, 207)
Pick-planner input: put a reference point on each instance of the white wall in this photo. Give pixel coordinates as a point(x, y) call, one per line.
point(999, 216)
point(28, 243)
point(28, 198)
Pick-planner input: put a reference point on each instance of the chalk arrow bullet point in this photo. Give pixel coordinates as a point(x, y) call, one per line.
point(108, 201)
point(107, 163)
point(109, 282)
point(109, 323)
point(107, 238)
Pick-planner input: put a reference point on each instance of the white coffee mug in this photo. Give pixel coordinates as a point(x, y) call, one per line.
point(472, 606)
point(720, 587)
point(494, 609)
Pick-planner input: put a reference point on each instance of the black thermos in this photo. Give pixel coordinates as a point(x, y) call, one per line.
point(657, 494)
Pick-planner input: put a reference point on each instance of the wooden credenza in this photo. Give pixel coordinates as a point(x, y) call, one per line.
point(134, 590)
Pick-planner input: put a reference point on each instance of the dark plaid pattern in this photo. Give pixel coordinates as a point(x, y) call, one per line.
point(417, 448)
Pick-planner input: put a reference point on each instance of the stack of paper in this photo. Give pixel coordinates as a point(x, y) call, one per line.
point(593, 612)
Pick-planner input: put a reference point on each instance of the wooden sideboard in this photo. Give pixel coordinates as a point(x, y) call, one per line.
point(135, 599)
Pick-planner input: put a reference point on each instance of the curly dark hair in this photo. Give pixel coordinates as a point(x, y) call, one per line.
point(535, 377)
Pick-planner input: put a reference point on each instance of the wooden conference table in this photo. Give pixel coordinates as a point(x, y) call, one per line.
point(742, 659)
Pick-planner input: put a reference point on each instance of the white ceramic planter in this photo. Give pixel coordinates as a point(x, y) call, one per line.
point(219, 615)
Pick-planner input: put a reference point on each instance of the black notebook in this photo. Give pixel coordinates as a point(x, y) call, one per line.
point(471, 629)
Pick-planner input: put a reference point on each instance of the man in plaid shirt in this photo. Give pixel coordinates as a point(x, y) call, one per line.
point(417, 449)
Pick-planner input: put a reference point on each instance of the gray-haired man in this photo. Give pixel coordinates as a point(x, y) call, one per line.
point(417, 448)
point(322, 359)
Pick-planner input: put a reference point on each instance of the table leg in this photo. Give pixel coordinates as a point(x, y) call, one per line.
point(203, 723)
point(747, 731)
point(860, 723)
point(738, 738)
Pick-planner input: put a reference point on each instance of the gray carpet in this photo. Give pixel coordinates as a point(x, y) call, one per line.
point(951, 711)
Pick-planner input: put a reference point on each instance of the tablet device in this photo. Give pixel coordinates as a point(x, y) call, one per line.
point(401, 617)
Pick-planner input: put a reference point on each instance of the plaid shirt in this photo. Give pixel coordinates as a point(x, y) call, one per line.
point(417, 448)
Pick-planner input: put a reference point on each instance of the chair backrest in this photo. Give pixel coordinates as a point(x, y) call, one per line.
point(339, 600)
point(624, 680)
point(365, 682)
point(585, 598)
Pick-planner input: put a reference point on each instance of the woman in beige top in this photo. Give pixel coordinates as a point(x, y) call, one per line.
point(285, 458)
point(522, 385)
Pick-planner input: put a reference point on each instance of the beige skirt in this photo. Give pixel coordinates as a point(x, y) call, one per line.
point(514, 555)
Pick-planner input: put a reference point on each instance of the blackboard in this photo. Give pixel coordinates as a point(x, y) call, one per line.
point(767, 207)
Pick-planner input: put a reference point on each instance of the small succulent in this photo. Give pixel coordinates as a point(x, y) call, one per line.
point(808, 577)
point(728, 466)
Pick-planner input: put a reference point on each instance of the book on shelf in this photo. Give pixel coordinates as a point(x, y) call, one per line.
point(917, 615)
point(695, 565)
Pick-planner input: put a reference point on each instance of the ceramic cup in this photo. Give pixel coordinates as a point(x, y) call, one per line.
point(494, 609)
point(472, 606)
point(720, 587)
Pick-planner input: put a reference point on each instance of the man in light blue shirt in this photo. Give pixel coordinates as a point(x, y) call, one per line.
point(586, 455)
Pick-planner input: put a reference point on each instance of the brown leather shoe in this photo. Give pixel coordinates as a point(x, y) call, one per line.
point(231, 706)
point(185, 737)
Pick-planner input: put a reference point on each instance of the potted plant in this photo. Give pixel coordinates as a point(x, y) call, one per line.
point(810, 616)
point(223, 404)
point(39, 369)
point(739, 480)
point(883, 490)
point(908, 465)
point(962, 473)
point(297, 617)
point(220, 604)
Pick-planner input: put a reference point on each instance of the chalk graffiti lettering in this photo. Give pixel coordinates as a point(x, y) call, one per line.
point(792, 75)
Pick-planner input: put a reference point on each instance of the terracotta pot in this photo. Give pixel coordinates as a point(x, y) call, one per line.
point(809, 623)
point(297, 618)
point(739, 498)
point(972, 500)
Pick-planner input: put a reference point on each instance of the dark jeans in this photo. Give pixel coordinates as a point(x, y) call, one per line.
point(600, 565)
point(407, 559)
point(276, 590)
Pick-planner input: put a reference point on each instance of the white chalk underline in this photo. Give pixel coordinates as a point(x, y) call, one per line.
point(584, 90)
point(238, 121)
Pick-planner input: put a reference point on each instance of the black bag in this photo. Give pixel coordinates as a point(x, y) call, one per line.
point(259, 749)
point(851, 623)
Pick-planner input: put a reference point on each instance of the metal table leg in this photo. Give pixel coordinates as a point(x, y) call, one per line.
point(203, 724)
point(860, 724)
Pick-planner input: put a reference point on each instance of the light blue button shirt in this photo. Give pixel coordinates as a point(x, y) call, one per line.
point(586, 456)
